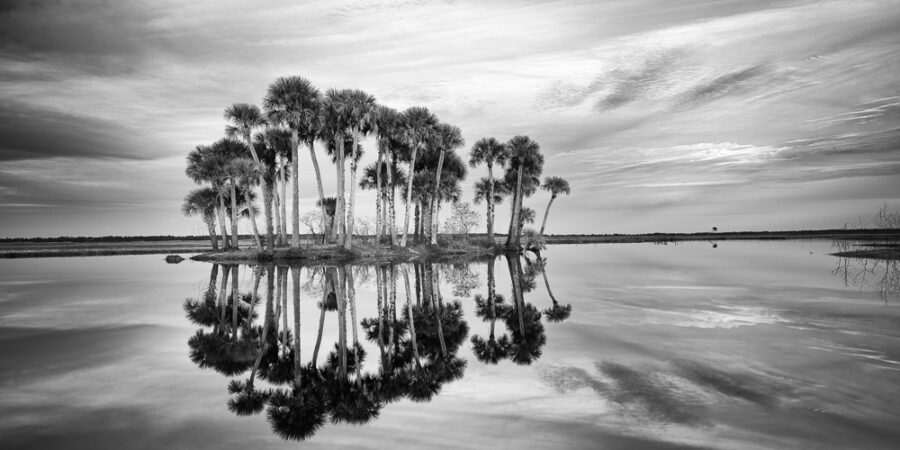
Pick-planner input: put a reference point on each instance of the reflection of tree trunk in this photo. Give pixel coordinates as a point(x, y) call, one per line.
point(547, 284)
point(392, 311)
point(342, 321)
point(491, 294)
point(283, 300)
point(439, 308)
point(267, 323)
point(257, 276)
point(328, 288)
point(515, 266)
point(298, 362)
point(412, 325)
point(379, 287)
point(235, 299)
point(223, 293)
point(351, 294)
point(213, 276)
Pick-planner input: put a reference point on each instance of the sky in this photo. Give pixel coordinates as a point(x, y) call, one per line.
point(663, 116)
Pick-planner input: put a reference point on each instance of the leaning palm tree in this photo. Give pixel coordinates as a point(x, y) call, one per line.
point(294, 102)
point(525, 156)
point(556, 186)
point(418, 128)
point(203, 202)
point(489, 151)
point(236, 172)
point(447, 138)
point(243, 119)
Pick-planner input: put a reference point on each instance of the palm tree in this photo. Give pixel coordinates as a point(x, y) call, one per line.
point(491, 193)
point(244, 118)
point(417, 129)
point(489, 151)
point(236, 172)
point(335, 109)
point(206, 165)
point(525, 156)
point(294, 102)
point(203, 202)
point(247, 175)
point(361, 115)
point(556, 186)
point(447, 138)
point(387, 122)
point(390, 177)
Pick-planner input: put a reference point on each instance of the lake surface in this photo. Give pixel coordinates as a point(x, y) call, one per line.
point(747, 345)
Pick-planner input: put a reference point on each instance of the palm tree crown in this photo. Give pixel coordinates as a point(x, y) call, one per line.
point(488, 151)
point(292, 101)
point(556, 186)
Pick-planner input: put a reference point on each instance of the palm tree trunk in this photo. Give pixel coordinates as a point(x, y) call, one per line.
point(315, 161)
point(379, 197)
point(211, 228)
point(490, 204)
point(391, 200)
point(253, 226)
point(418, 220)
point(338, 231)
point(546, 213)
point(491, 294)
point(284, 324)
point(329, 286)
point(268, 190)
point(284, 181)
point(234, 223)
point(435, 198)
point(438, 309)
point(277, 200)
point(213, 276)
point(412, 171)
point(351, 294)
point(348, 242)
point(267, 323)
point(220, 211)
point(267, 206)
point(295, 201)
point(513, 238)
point(298, 361)
point(342, 322)
point(547, 285)
point(235, 301)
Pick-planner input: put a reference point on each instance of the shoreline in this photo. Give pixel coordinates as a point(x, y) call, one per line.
point(80, 247)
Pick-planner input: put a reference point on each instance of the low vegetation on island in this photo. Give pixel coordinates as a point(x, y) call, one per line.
point(417, 159)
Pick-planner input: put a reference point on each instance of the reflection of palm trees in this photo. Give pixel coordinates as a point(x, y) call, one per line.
point(528, 337)
point(492, 350)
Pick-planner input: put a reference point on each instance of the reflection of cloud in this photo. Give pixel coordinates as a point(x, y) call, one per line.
point(669, 394)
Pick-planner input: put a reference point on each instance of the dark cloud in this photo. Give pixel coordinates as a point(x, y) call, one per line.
point(722, 85)
point(629, 85)
point(30, 133)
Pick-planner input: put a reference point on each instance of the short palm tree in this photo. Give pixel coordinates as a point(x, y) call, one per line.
point(203, 202)
point(490, 193)
point(293, 102)
point(417, 129)
point(490, 152)
point(556, 186)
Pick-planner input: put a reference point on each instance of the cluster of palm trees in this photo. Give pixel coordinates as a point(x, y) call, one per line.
point(416, 154)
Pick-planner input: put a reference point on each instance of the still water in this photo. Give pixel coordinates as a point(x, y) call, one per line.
point(748, 345)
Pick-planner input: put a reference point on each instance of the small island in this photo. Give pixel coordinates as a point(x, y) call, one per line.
point(416, 158)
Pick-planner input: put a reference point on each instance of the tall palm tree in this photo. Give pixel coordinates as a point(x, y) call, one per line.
point(335, 111)
point(294, 102)
point(386, 126)
point(243, 119)
point(361, 115)
point(490, 152)
point(556, 186)
point(447, 139)
point(203, 202)
point(418, 128)
point(525, 156)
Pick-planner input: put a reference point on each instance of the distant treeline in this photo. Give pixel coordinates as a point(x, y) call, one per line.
point(550, 238)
